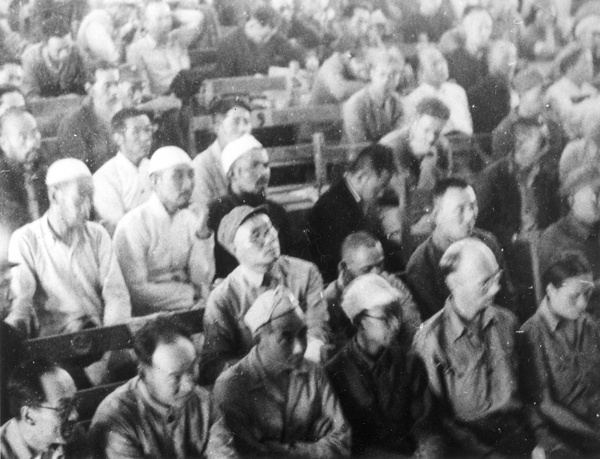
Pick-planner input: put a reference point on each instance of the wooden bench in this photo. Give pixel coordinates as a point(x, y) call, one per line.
point(239, 85)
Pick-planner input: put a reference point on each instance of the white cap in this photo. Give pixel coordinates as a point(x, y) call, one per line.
point(65, 170)
point(367, 292)
point(271, 305)
point(237, 148)
point(168, 157)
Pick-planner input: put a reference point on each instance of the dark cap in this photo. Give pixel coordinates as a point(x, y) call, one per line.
point(232, 221)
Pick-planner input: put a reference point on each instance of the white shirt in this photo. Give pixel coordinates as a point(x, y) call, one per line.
point(162, 258)
point(65, 287)
point(453, 95)
point(120, 186)
point(209, 176)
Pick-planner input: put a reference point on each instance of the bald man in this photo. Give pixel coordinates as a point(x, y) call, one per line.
point(469, 351)
point(164, 248)
point(21, 171)
point(66, 276)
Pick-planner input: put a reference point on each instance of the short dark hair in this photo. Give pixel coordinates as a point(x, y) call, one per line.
point(444, 184)
point(266, 16)
point(222, 105)
point(55, 25)
point(90, 74)
point(162, 330)
point(356, 240)
point(117, 123)
point(376, 157)
point(564, 266)
point(8, 88)
point(25, 385)
point(434, 107)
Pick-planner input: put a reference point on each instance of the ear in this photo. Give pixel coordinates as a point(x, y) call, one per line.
point(550, 290)
point(451, 281)
point(26, 415)
point(53, 195)
point(88, 87)
point(118, 138)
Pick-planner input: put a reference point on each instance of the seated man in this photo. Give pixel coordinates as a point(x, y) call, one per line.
point(123, 183)
point(42, 402)
point(454, 215)
point(10, 97)
point(162, 53)
point(375, 110)
point(53, 67)
point(246, 165)
point(249, 235)
point(164, 248)
point(67, 276)
point(11, 71)
point(348, 207)
point(161, 412)
point(21, 166)
point(560, 350)
point(383, 388)
point(354, 24)
point(362, 253)
point(341, 75)
point(231, 120)
point(469, 351)
point(276, 403)
point(433, 82)
point(427, 21)
point(254, 47)
point(85, 133)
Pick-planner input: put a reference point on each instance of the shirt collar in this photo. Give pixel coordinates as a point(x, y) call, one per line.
point(551, 319)
point(353, 191)
point(123, 163)
point(21, 448)
point(256, 279)
point(456, 325)
point(164, 411)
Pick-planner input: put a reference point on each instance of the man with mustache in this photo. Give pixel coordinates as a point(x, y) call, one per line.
point(67, 276)
point(42, 400)
point(246, 165)
point(276, 403)
point(164, 248)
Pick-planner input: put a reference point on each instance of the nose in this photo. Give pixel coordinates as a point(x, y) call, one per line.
point(186, 384)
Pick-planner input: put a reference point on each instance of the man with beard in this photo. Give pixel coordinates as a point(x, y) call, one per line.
point(454, 215)
point(164, 248)
point(249, 235)
point(85, 133)
point(42, 398)
point(67, 276)
point(161, 412)
point(246, 164)
point(276, 403)
point(22, 182)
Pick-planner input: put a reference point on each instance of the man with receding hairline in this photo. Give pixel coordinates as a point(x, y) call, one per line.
point(469, 351)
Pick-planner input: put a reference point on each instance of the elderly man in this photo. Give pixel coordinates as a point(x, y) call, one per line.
point(231, 120)
point(10, 97)
point(375, 110)
point(468, 349)
point(276, 403)
point(67, 276)
point(454, 215)
point(22, 173)
point(246, 164)
point(164, 248)
point(433, 79)
point(123, 183)
point(249, 235)
point(383, 388)
point(162, 53)
point(85, 133)
point(161, 412)
point(42, 399)
point(348, 207)
point(361, 254)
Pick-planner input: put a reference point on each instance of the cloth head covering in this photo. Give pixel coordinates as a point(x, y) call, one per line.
point(237, 148)
point(65, 170)
point(232, 221)
point(168, 157)
point(271, 305)
point(367, 292)
point(579, 177)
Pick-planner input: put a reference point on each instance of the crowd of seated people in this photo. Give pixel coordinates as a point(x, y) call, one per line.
point(433, 300)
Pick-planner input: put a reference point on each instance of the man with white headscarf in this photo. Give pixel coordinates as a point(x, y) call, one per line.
point(66, 277)
point(164, 248)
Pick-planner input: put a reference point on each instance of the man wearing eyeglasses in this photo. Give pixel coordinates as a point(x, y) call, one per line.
point(161, 413)
point(468, 349)
point(123, 183)
point(43, 405)
point(249, 235)
point(164, 248)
